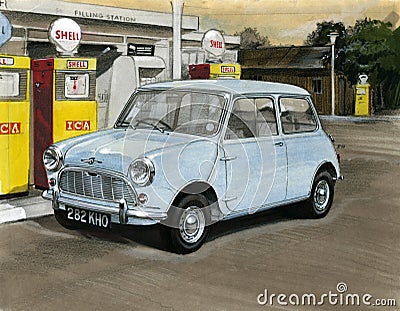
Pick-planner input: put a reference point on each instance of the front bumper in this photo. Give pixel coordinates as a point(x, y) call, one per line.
point(119, 211)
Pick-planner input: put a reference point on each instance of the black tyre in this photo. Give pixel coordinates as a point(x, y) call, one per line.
point(320, 201)
point(189, 219)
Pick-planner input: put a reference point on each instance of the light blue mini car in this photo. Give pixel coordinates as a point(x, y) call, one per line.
point(189, 153)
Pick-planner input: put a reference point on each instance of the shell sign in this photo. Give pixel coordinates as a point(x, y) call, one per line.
point(65, 34)
point(214, 43)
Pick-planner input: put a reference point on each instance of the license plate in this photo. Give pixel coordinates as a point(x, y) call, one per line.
point(90, 218)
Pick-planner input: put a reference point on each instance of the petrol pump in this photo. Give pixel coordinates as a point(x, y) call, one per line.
point(14, 124)
point(363, 98)
point(213, 44)
point(63, 103)
point(63, 91)
point(214, 71)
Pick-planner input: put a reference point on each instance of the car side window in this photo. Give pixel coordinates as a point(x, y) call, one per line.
point(254, 117)
point(266, 119)
point(241, 120)
point(297, 115)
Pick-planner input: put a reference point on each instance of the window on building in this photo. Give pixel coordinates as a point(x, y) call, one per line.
point(317, 85)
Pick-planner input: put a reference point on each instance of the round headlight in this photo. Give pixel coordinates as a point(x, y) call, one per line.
point(52, 158)
point(142, 171)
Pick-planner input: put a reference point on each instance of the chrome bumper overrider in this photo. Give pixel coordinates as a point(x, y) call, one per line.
point(113, 208)
point(341, 177)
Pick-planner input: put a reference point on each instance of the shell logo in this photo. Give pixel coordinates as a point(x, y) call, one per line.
point(214, 42)
point(65, 34)
point(6, 61)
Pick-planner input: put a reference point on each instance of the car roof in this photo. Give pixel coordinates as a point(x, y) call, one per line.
point(242, 87)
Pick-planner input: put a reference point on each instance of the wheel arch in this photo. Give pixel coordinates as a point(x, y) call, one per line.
point(204, 188)
point(325, 167)
point(329, 168)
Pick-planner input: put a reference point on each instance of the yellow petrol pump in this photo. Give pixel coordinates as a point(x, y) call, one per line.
point(363, 100)
point(14, 124)
point(75, 108)
point(63, 102)
point(221, 71)
point(215, 71)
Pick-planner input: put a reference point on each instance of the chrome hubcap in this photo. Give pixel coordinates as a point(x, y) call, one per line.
point(192, 224)
point(321, 195)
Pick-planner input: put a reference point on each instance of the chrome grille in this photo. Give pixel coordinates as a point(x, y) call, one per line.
point(96, 185)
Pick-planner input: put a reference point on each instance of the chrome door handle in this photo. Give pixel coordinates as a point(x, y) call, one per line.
point(229, 199)
point(228, 158)
point(280, 144)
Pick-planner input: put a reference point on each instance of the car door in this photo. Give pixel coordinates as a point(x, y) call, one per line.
point(299, 126)
point(255, 156)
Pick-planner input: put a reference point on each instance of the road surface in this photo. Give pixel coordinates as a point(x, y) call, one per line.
point(354, 251)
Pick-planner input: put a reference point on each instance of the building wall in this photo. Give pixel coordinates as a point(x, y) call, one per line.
point(307, 79)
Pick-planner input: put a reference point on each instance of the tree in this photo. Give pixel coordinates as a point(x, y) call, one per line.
point(391, 64)
point(366, 44)
point(369, 47)
point(320, 36)
point(250, 38)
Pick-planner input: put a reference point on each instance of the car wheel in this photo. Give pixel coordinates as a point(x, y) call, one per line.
point(61, 218)
point(320, 201)
point(190, 219)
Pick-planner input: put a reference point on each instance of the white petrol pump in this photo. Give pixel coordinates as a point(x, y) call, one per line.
point(117, 84)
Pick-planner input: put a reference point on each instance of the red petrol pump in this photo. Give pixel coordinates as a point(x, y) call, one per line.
point(14, 124)
point(63, 91)
point(63, 103)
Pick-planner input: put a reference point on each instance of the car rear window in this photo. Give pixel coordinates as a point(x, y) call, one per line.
point(297, 115)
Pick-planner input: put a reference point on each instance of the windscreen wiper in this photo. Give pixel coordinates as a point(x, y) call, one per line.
point(155, 126)
point(126, 124)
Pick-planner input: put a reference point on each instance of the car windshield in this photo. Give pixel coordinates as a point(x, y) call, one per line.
point(185, 112)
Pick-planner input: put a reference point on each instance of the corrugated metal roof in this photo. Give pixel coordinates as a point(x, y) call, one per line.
point(302, 57)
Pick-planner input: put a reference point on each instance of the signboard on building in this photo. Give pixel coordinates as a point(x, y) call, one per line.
point(140, 49)
point(97, 12)
point(65, 34)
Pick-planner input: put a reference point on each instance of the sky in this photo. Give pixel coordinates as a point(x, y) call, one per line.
point(284, 22)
